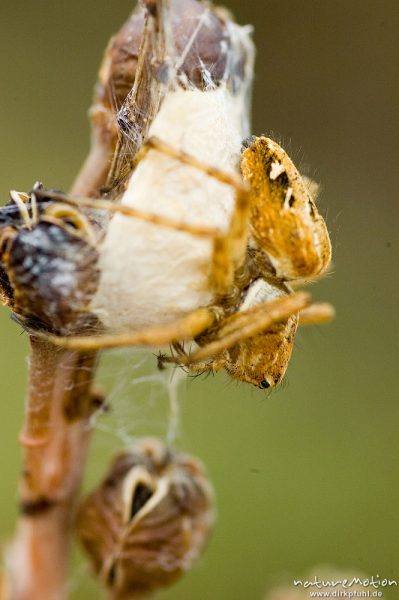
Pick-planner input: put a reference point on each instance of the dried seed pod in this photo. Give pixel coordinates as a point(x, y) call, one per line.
point(147, 521)
point(49, 268)
point(201, 38)
point(48, 265)
point(200, 44)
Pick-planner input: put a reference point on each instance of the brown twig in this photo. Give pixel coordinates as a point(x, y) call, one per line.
point(55, 438)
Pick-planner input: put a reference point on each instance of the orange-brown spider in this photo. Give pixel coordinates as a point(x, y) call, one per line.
point(192, 251)
point(275, 236)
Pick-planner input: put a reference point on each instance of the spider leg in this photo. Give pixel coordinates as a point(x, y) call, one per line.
point(154, 143)
point(186, 328)
point(248, 323)
point(162, 359)
point(107, 205)
point(316, 314)
point(181, 358)
point(229, 249)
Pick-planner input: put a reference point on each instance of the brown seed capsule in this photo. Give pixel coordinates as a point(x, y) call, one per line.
point(192, 40)
point(201, 39)
point(48, 265)
point(147, 521)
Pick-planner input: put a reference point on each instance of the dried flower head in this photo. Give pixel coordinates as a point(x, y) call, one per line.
point(148, 520)
point(48, 263)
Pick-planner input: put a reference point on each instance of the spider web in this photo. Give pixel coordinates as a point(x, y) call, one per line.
point(141, 399)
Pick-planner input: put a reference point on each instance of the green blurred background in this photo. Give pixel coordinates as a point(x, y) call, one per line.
point(309, 474)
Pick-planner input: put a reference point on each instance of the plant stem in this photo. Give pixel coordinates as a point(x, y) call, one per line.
point(55, 439)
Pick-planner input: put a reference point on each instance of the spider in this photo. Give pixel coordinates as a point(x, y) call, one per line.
point(193, 251)
point(276, 236)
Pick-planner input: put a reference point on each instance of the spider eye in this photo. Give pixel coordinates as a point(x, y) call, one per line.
point(264, 384)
